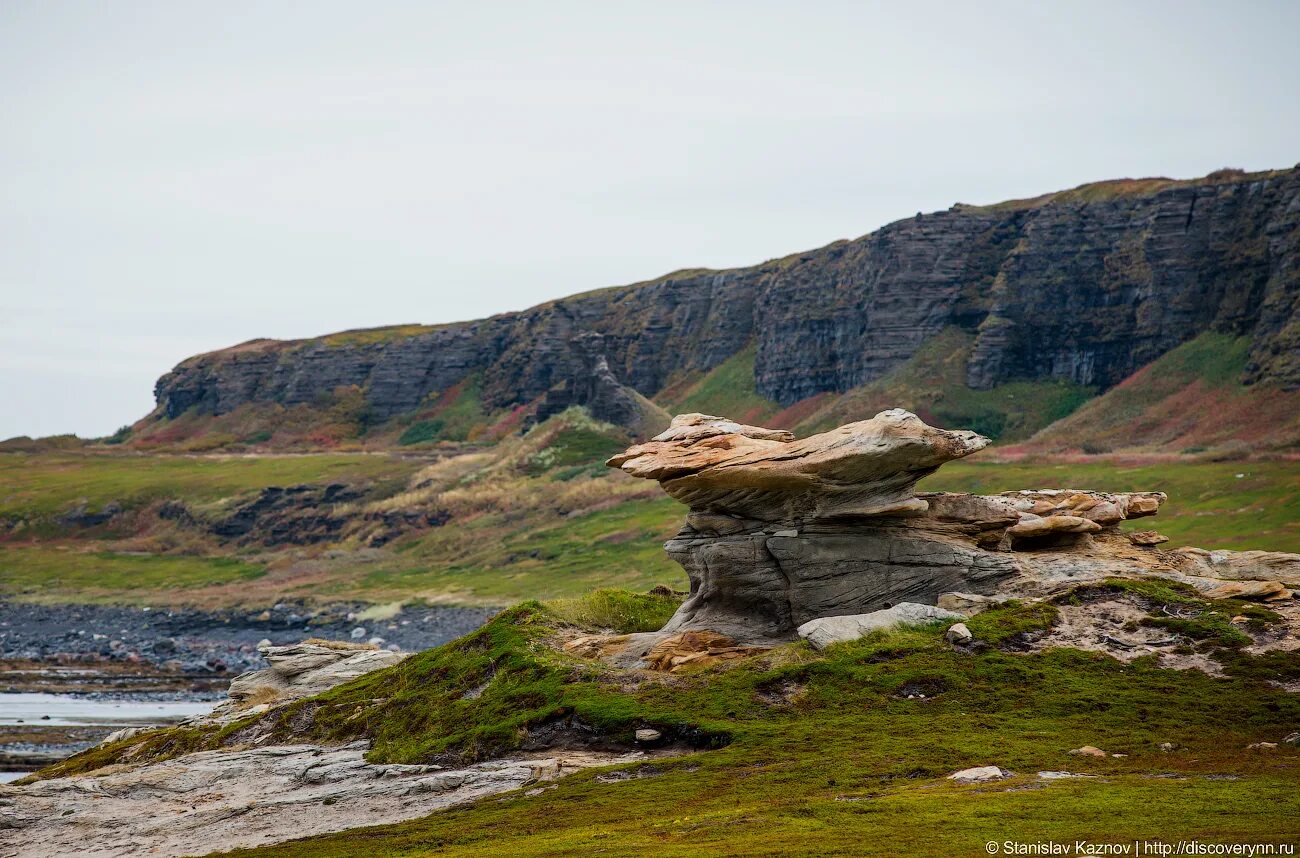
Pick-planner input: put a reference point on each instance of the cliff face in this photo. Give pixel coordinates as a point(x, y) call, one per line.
point(1086, 285)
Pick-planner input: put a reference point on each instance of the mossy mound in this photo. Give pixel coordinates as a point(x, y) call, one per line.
point(805, 752)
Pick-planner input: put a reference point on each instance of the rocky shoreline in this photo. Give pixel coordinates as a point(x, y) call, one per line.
point(204, 644)
point(137, 655)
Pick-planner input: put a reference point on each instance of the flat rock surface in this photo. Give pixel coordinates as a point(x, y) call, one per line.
point(865, 468)
point(221, 800)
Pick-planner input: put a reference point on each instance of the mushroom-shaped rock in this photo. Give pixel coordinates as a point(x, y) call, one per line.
point(868, 468)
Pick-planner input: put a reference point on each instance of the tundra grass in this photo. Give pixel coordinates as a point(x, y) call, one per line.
point(806, 753)
point(493, 559)
point(51, 574)
point(40, 486)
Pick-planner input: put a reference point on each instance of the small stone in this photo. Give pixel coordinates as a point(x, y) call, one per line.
point(358, 633)
point(376, 641)
point(1292, 739)
point(1147, 537)
point(648, 735)
point(980, 774)
point(1262, 746)
point(958, 634)
point(786, 533)
point(1166, 746)
point(1119, 756)
point(1088, 751)
point(1054, 776)
point(264, 642)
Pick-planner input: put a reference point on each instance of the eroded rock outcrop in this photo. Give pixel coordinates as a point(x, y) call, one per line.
point(783, 533)
point(302, 670)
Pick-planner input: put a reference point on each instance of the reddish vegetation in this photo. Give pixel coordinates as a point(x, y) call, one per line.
point(790, 417)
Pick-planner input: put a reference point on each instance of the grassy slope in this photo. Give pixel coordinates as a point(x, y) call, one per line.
point(727, 390)
point(933, 385)
point(49, 485)
point(1189, 399)
point(44, 560)
point(541, 526)
point(821, 754)
point(56, 574)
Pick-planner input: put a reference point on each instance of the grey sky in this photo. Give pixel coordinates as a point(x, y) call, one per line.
point(176, 177)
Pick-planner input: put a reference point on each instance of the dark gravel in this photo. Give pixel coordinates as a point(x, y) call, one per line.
point(215, 644)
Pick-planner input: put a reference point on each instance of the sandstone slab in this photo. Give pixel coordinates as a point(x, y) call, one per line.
point(868, 468)
point(244, 798)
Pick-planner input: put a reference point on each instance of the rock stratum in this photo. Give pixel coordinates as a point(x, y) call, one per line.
point(784, 533)
point(1084, 286)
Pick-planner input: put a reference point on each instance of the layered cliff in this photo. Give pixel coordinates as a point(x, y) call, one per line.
point(1086, 285)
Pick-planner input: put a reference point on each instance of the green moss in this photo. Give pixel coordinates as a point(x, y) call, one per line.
point(616, 610)
point(820, 753)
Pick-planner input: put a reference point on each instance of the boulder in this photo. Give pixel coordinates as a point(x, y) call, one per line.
point(1088, 751)
point(304, 669)
point(825, 631)
point(1147, 537)
point(958, 634)
point(980, 774)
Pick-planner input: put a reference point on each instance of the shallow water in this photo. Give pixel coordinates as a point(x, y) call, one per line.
point(66, 710)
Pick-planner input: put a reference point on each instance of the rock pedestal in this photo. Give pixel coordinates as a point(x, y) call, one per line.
point(782, 531)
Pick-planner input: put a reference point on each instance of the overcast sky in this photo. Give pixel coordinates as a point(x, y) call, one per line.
point(176, 177)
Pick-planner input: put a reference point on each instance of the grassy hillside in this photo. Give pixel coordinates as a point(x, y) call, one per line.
point(803, 753)
point(933, 386)
point(535, 517)
point(1189, 400)
point(37, 488)
point(727, 390)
